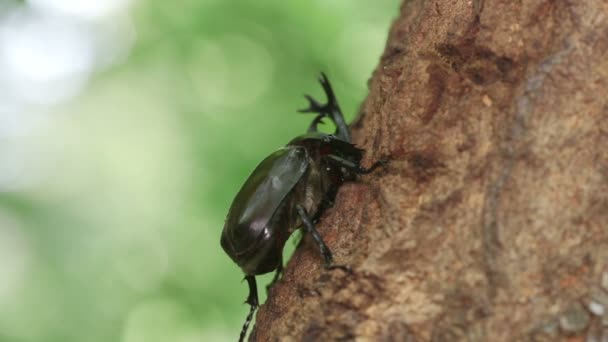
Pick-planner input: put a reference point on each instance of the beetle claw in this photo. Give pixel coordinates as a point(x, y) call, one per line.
point(381, 162)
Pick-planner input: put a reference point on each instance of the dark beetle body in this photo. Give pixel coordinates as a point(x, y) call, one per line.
point(287, 190)
point(263, 214)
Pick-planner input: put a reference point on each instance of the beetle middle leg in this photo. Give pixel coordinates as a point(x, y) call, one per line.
point(325, 252)
point(252, 300)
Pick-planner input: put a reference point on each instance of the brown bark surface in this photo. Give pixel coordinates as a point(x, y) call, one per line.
point(491, 221)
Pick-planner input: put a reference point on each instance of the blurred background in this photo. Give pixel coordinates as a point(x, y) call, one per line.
point(126, 128)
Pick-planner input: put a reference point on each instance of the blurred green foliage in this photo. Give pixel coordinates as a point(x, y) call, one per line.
point(118, 238)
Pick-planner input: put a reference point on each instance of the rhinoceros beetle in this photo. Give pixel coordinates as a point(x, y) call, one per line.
point(287, 190)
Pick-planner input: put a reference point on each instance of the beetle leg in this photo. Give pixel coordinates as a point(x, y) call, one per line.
point(326, 202)
point(325, 252)
point(331, 109)
point(356, 168)
point(252, 300)
point(276, 277)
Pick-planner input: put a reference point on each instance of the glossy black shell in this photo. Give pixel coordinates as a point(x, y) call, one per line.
point(263, 215)
point(246, 226)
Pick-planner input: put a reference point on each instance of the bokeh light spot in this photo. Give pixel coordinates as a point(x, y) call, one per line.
point(161, 320)
point(144, 262)
point(45, 60)
point(232, 71)
point(79, 8)
point(15, 257)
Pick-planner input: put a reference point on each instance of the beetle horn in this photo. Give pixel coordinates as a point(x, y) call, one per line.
point(314, 106)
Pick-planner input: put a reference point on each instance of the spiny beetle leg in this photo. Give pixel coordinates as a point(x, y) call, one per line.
point(355, 167)
point(252, 300)
point(277, 276)
point(325, 252)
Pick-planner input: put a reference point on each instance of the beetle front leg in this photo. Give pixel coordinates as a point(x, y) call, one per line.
point(252, 300)
point(356, 168)
point(325, 252)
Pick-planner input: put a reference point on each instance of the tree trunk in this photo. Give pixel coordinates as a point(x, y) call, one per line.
point(490, 222)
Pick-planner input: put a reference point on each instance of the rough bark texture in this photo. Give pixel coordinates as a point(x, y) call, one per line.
point(491, 221)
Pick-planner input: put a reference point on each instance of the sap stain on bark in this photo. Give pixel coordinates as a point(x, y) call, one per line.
point(465, 313)
point(476, 63)
point(424, 165)
point(313, 332)
point(398, 331)
point(437, 86)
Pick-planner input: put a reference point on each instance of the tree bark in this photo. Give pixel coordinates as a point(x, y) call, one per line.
point(490, 222)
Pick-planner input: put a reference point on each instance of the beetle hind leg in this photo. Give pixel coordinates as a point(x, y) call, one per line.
point(252, 300)
point(277, 276)
point(325, 252)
